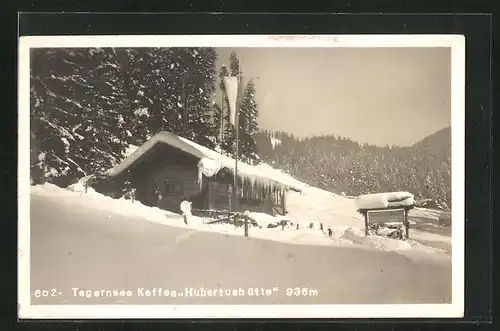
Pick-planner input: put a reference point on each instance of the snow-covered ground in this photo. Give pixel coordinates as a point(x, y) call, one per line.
point(427, 213)
point(312, 206)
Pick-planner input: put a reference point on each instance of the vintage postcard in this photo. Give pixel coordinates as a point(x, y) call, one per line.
point(248, 176)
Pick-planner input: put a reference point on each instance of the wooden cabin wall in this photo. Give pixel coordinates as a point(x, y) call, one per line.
point(279, 202)
point(220, 198)
point(254, 198)
point(165, 177)
point(219, 195)
point(173, 184)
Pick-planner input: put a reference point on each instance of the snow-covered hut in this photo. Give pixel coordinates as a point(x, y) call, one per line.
point(168, 168)
point(380, 207)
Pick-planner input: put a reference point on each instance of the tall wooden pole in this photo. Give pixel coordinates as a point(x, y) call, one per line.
point(407, 224)
point(236, 205)
point(237, 147)
point(221, 119)
point(366, 223)
point(237, 143)
point(184, 104)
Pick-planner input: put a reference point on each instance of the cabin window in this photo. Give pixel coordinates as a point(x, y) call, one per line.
point(173, 188)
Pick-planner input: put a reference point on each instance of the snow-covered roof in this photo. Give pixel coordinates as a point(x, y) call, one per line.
point(264, 175)
point(385, 200)
point(129, 150)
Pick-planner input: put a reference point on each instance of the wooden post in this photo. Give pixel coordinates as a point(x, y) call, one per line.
point(246, 225)
point(297, 226)
point(230, 196)
point(235, 193)
point(270, 195)
point(237, 147)
point(407, 224)
point(366, 223)
point(283, 202)
point(185, 111)
point(209, 183)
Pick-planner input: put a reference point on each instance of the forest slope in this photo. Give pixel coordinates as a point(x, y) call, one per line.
point(341, 165)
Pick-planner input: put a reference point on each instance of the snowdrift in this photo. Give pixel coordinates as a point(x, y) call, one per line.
point(412, 249)
point(384, 200)
point(75, 194)
point(317, 206)
point(309, 209)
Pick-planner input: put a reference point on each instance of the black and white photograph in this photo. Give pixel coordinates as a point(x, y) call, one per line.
point(241, 176)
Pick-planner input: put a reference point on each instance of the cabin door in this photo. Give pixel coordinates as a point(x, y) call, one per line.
point(171, 195)
point(278, 202)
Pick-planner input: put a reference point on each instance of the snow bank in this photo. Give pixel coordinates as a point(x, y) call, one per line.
point(300, 237)
point(317, 206)
point(427, 236)
point(97, 201)
point(51, 189)
point(410, 248)
point(313, 205)
point(384, 200)
point(77, 187)
point(425, 212)
point(262, 219)
point(80, 185)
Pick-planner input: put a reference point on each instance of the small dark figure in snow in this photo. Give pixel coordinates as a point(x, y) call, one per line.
point(186, 209)
point(311, 225)
point(157, 196)
point(330, 232)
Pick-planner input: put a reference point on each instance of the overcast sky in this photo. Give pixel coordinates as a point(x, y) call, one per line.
point(375, 95)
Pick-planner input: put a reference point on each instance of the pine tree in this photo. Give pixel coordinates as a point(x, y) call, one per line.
point(156, 90)
point(217, 118)
point(89, 104)
point(264, 146)
point(108, 137)
point(198, 81)
point(61, 99)
point(249, 126)
point(170, 89)
point(247, 118)
point(141, 78)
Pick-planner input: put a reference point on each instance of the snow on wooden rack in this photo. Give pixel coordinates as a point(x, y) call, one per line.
point(384, 200)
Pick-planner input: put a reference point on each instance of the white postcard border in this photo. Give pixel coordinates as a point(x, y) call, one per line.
point(455, 309)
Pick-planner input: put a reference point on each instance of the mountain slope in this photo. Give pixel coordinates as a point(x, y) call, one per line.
point(435, 144)
point(341, 165)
